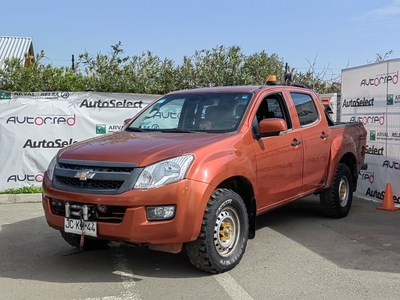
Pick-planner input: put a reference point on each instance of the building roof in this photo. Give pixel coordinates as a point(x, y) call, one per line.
point(16, 47)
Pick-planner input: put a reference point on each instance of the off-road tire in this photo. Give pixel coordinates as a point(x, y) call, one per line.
point(336, 201)
point(89, 244)
point(224, 233)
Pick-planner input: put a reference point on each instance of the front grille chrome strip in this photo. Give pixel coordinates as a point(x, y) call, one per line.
point(95, 177)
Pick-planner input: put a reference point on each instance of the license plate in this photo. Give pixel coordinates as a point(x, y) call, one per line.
point(74, 226)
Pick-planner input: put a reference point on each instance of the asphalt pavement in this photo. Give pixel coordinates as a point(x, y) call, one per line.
point(297, 254)
point(380, 227)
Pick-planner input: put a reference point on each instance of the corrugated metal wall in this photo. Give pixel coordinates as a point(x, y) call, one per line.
point(15, 47)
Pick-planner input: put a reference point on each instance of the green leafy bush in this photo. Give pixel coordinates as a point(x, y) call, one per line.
point(149, 74)
point(24, 190)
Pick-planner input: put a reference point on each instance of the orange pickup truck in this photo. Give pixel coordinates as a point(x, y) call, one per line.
point(196, 167)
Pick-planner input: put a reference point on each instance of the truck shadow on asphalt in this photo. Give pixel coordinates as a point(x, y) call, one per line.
point(31, 250)
point(367, 239)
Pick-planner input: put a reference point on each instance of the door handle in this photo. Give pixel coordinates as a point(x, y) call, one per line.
point(324, 135)
point(296, 143)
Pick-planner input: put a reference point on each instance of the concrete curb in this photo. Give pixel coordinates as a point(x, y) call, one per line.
point(20, 198)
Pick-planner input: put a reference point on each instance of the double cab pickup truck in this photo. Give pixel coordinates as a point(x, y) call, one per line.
point(194, 169)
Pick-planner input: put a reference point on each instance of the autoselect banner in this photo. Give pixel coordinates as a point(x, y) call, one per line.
point(34, 126)
point(371, 95)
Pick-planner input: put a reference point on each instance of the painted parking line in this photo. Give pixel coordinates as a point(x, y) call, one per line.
point(231, 287)
point(225, 280)
point(128, 279)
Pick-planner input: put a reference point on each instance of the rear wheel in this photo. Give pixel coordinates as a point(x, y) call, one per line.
point(88, 244)
point(336, 201)
point(224, 233)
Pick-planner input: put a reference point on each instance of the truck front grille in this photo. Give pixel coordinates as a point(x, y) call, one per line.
point(95, 177)
point(104, 213)
point(92, 184)
point(103, 168)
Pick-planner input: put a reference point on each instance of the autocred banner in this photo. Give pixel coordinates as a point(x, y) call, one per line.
point(34, 126)
point(371, 95)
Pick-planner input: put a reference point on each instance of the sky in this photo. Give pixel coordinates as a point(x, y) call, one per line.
point(326, 35)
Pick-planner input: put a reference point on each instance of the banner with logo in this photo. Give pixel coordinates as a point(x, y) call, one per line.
point(371, 95)
point(34, 126)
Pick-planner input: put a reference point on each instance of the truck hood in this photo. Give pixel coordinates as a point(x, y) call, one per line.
point(142, 148)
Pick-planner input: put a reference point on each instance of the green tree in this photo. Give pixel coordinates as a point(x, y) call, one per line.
point(322, 82)
point(149, 74)
point(38, 77)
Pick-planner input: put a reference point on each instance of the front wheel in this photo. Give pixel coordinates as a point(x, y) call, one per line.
point(224, 233)
point(336, 200)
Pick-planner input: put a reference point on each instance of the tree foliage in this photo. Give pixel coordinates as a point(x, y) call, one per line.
point(38, 77)
point(380, 57)
point(149, 74)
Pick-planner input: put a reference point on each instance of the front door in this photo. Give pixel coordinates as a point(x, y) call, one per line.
point(279, 168)
point(279, 158)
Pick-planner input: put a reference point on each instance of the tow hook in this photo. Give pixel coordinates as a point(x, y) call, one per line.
point(83, 216)
point(82, 241)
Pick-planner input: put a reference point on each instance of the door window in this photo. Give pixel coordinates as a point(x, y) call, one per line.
point(306, 109)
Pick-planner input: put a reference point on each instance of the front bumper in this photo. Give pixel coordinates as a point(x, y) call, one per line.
point(190, 198)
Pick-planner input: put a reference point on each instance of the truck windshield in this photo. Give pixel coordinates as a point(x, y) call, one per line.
point(193, 112)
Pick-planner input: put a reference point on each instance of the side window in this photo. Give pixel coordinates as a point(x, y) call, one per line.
point(274, 106)
point(305, 107)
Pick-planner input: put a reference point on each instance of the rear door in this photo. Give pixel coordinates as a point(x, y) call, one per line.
point(315, 136)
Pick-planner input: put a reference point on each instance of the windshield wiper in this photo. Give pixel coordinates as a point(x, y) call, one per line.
point(180, 130)
point(134, 129)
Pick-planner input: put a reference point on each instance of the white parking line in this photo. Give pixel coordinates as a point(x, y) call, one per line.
point(121, 268)
point(231, 287)
point(225, 280)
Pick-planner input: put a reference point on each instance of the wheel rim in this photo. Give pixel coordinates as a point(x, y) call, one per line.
point(226, 231)
point(343, 191)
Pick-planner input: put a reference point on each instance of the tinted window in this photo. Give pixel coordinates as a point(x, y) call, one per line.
point(306, 109)
point(273, 106)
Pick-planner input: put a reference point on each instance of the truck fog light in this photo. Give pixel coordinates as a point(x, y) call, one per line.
point(160, 212)
point(102, 208)
point(57, 205)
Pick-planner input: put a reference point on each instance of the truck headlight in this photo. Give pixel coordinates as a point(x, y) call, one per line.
point(163, 172)
point(50, 168)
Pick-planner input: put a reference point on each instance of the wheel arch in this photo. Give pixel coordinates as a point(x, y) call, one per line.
point(242, 186)
point(349, 159)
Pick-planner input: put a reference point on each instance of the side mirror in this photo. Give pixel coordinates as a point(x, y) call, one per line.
point(272, 126)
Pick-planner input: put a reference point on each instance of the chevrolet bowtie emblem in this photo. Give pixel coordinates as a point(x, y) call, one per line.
point(85, 175)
